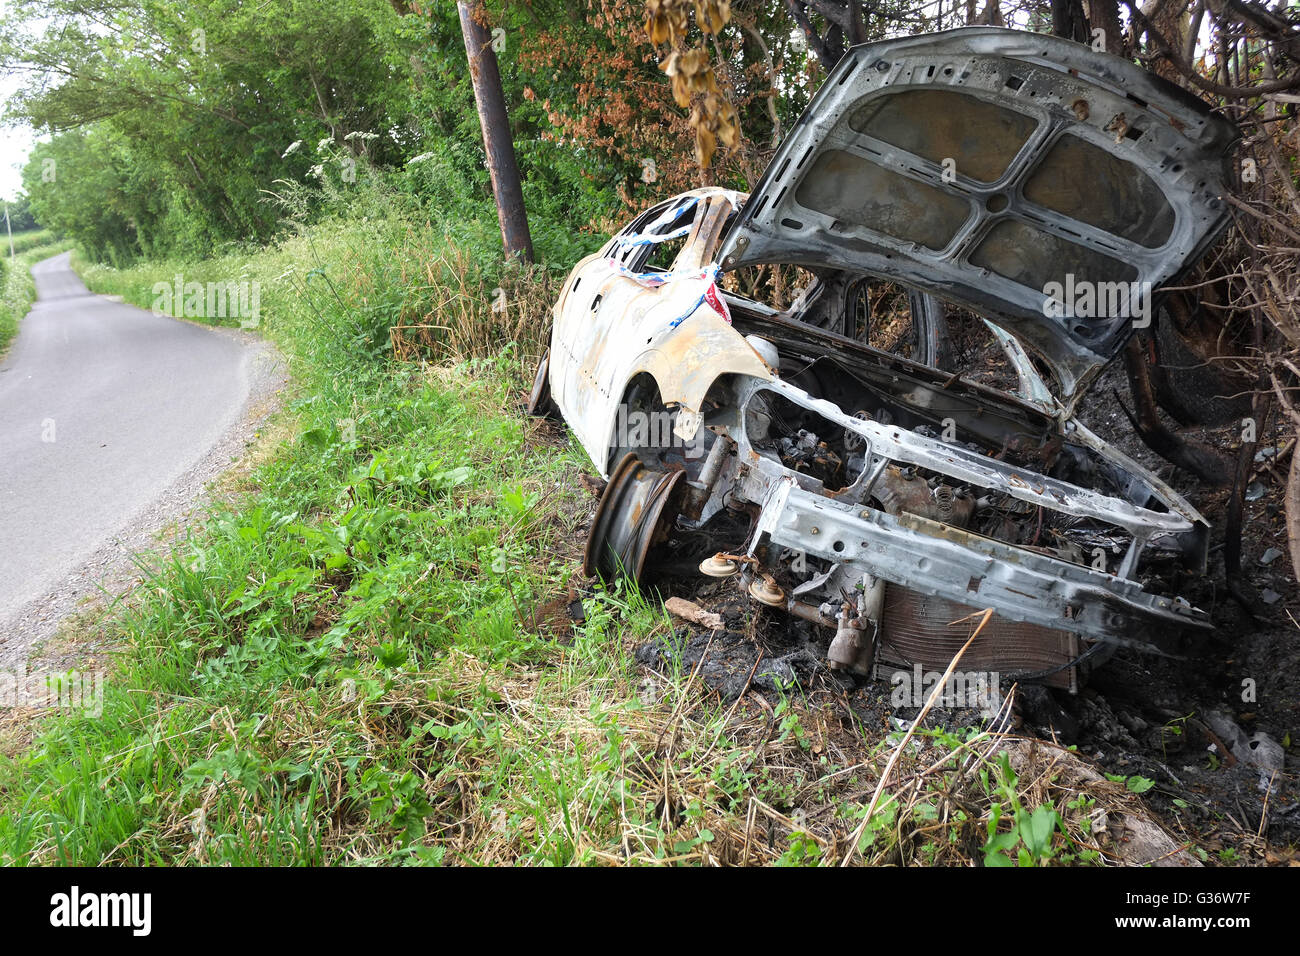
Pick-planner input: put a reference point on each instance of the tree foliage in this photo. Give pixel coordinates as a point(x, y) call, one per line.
point(170, 124)
point(182, 113)
point(20, 215)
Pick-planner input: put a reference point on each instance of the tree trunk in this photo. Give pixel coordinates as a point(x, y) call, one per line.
point(1104, 15)
point(1068, 20)
point(1197, 458)
point(497, 141)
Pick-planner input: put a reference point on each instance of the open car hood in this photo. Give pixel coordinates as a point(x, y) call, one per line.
point(1004, 171)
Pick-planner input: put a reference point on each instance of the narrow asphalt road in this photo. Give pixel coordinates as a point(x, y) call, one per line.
point(105, 410)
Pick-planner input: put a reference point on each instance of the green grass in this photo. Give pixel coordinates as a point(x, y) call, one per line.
point(23, 241)
point(17, 288)
point(364, 656)
point(364, 561)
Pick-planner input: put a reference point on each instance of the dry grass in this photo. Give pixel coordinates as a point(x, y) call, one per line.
point(627, 770)
point(454, 309)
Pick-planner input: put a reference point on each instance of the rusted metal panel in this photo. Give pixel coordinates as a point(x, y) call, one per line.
point(611, 326)
point(918, 629)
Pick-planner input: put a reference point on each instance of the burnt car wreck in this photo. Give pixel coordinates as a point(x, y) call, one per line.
point(1047, 189)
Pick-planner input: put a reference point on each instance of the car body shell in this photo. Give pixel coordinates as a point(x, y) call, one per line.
point(623, 330)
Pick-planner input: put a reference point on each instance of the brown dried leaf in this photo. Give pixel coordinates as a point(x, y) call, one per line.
point(712, 15)
point(705, 144)
point(656, 27)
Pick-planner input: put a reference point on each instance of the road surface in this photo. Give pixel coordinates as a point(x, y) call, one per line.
point(109, 419)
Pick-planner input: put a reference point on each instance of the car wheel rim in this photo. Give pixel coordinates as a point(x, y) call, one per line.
point(636, 511)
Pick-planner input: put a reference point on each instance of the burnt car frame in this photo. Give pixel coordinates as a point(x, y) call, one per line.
point(870, 491)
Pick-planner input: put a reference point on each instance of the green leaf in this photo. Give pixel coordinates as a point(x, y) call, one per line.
point(1140, 784)
point(451, 479)
point(1038, 832)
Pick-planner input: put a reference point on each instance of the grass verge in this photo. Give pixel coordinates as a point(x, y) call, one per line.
point(17, 288)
